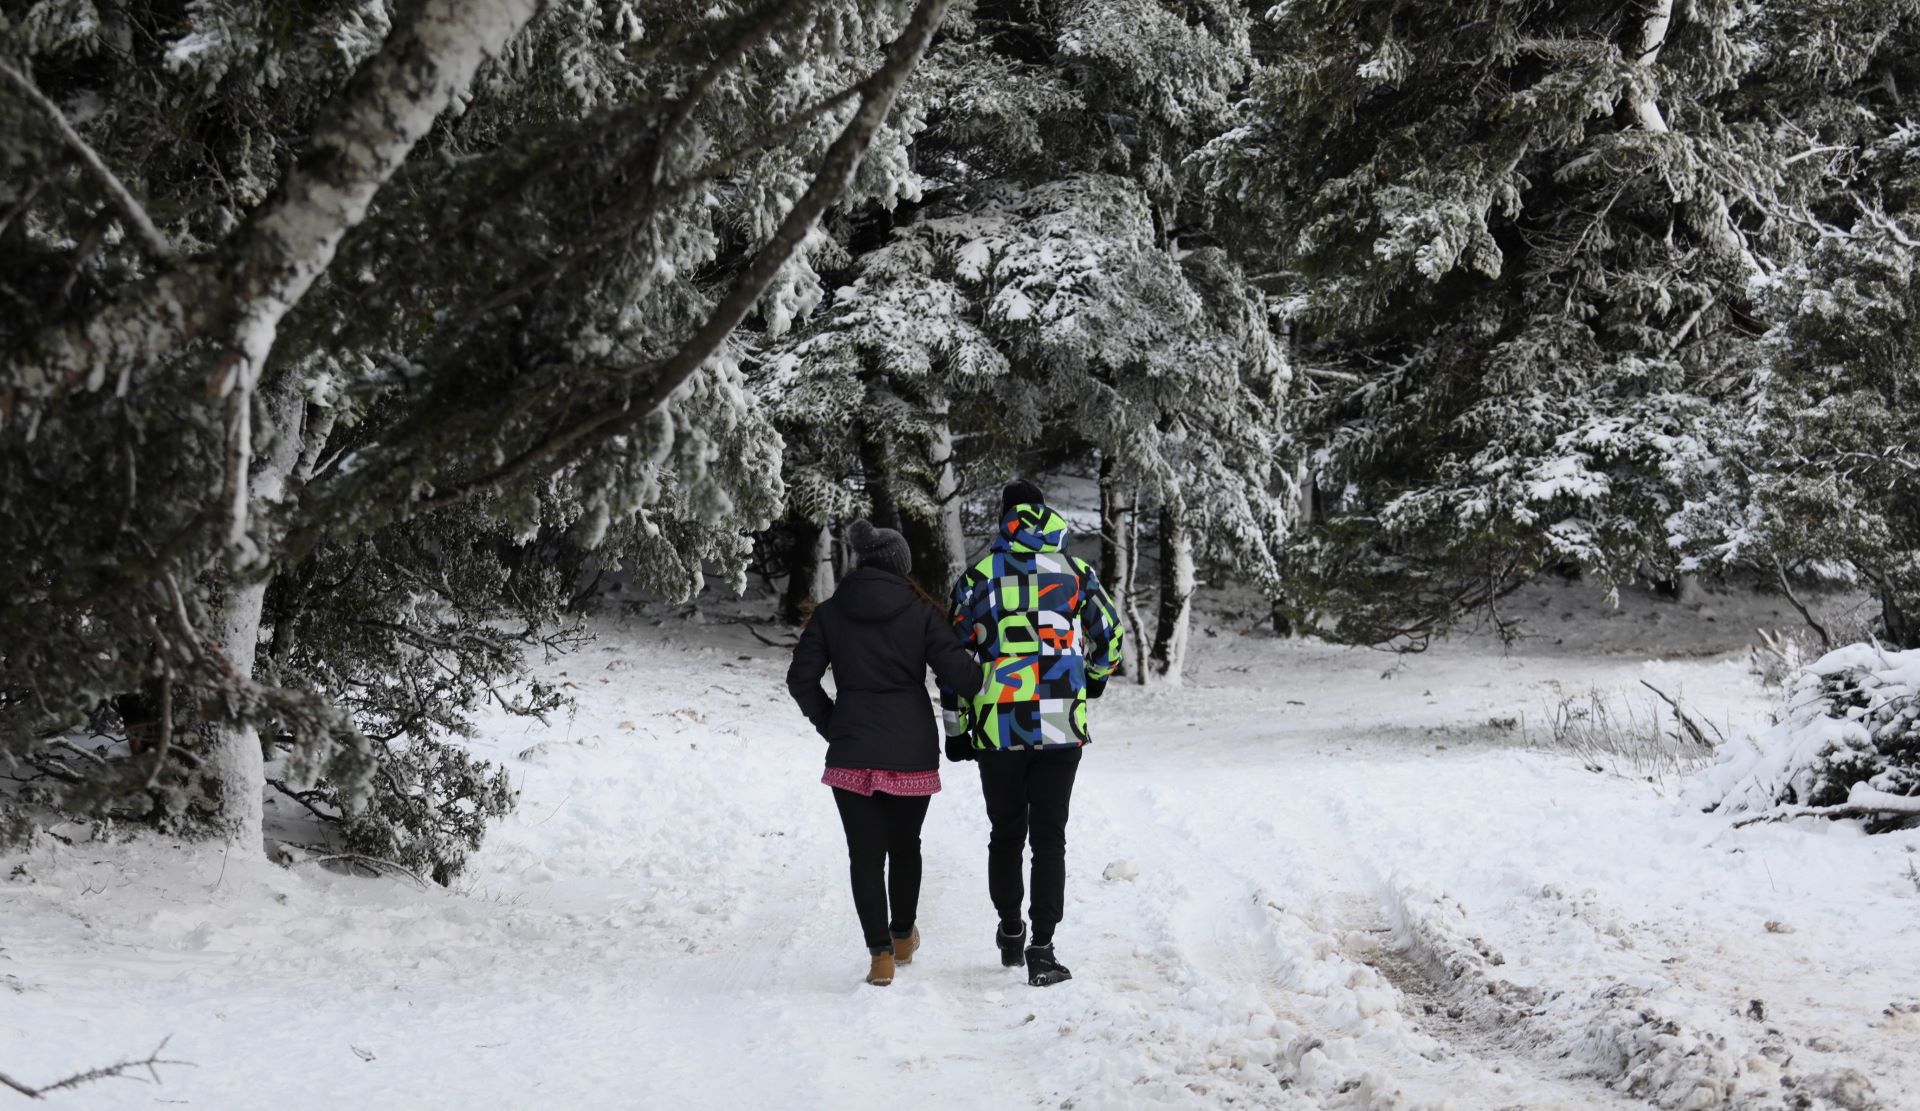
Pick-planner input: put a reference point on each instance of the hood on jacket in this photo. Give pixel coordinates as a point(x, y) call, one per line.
point(1032, 528)
point(870, 594)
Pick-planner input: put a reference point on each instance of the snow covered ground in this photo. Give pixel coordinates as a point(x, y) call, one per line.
point(1313, 878)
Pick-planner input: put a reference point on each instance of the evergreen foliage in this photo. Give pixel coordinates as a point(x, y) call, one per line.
point(347, 345)
point(1846, 738)
point(1516, 244)
point(1044, 300)
point(1817, 476)
point(293, 439)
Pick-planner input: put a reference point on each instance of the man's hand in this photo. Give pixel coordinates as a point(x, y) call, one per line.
point(960, 748)
point(1096, 687)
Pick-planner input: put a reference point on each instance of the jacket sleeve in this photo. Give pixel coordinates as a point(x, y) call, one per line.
point(1100, 619)
point(809, 666)
point(956, 669)
point(961, 630)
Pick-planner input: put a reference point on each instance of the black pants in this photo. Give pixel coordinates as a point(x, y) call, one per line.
point(1027, 793)
point(883, 856)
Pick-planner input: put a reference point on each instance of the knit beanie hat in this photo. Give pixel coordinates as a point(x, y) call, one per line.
point(880, 547)
point(1019, 492)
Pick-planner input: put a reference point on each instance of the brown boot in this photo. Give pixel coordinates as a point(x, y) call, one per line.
point(881, 974)
point(903, 947)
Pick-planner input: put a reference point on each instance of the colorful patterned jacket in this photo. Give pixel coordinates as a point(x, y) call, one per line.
point(1021, 611)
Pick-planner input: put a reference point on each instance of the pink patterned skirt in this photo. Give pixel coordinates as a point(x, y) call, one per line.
point(867, 781)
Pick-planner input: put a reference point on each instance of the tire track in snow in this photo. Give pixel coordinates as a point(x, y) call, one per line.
point(1308, 941)
point(1639, 1032)
point(1228, 992)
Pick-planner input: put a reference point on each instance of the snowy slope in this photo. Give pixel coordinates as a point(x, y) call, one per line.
point(1315, 878)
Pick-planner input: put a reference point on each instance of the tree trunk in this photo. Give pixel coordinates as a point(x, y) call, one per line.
point(1176, 596)
point(234, 761)
point(1288, 620)
point(874, 475)
point(935, 537)
point(1135, 645)
point(805, 554)
point(823, 577)
point(1655, 26)
point(844, 560)
point(1898, 620)
point(1653, 35)
point(1119, 554)
point(1115, 555)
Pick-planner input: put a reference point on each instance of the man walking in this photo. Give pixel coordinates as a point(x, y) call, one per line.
point(1022, 610)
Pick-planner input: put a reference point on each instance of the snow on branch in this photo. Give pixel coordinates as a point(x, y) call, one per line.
point(126, 1069)
point(1654, 30)
point(131, 209)
point(1841, 746)
point(761, 28)
point(658, 380)
point(243, 292)
point(836, 172)
point(1862, 802)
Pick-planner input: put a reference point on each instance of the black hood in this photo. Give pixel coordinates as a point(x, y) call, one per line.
point(870, 594)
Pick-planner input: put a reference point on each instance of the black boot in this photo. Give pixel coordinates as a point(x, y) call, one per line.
point(1043, 969)
point(1011, 946)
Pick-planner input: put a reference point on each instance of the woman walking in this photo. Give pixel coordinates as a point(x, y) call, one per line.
point(880, 633)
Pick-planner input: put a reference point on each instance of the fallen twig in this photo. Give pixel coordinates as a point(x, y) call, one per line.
point(1844, 810)
point(151, 1062)
point(62, 742)
point(768, 641)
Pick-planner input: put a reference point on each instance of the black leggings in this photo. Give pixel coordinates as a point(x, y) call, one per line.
point(883, 855)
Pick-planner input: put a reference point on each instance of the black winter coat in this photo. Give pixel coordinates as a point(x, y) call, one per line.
point(880, 637)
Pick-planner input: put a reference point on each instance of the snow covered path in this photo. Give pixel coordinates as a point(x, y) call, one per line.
point(1297, 883)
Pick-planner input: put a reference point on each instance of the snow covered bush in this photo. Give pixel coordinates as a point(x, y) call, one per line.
point(435, 811)
point(1847, 743)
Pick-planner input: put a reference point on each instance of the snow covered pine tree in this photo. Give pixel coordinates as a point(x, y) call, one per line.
point(1826, 413)
point(1049, 296)
point(1521, 273)
point(238, 368)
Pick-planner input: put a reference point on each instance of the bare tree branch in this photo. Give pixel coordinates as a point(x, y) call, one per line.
point(131, 209)
point(790, 128)
point(1819, 630)
point(618, 225)
point(1885, 223)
